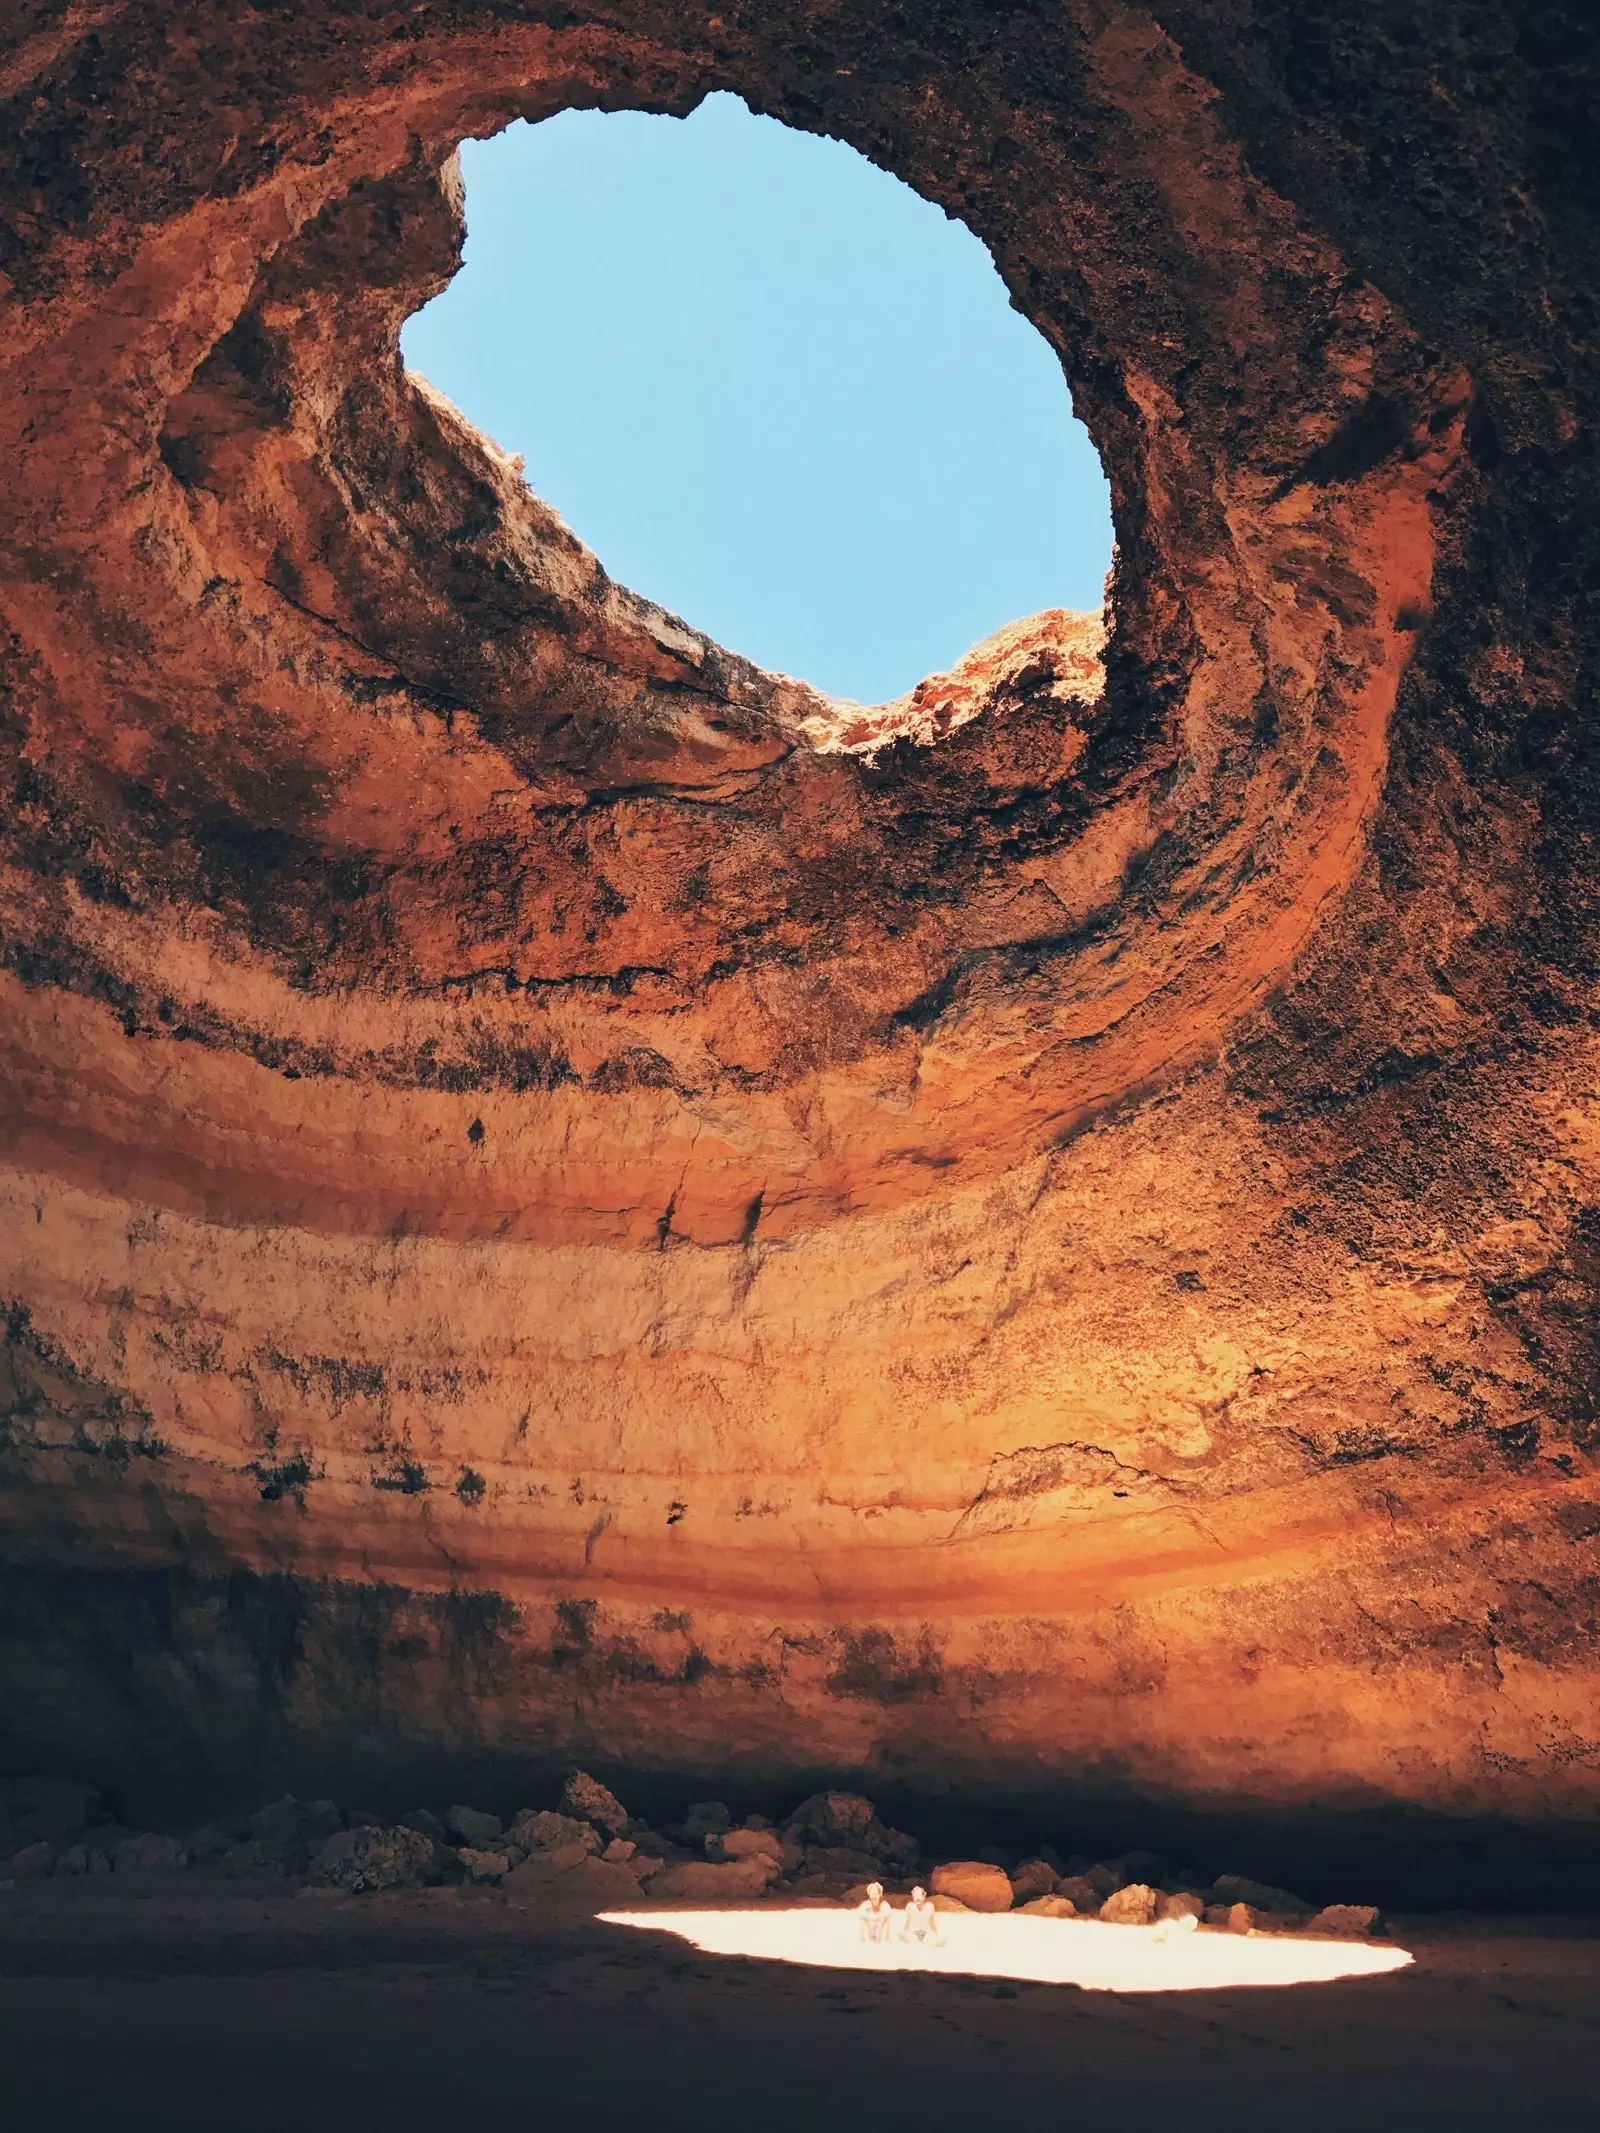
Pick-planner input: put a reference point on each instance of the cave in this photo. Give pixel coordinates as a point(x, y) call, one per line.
point(1031, 1251)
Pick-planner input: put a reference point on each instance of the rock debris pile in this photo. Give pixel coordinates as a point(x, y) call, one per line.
point(830, 1846)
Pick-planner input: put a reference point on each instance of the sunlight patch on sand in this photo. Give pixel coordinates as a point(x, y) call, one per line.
point(1045, 1951)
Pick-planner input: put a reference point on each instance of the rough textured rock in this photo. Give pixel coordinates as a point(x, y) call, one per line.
point(973, 1883)
point(704, 1880)
point(547, 1832)
point(1133, 1906)
point(563, 1196)
point(1345, 1921)
point(149, 1852)
point(1048, 1907)
point(1179, 1903)
point(470, 1825)
point(362, 1861)
point(589, 1800)
point(484, 1866)
point(1033, 1878)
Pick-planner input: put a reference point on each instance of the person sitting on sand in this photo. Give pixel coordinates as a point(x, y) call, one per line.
point(875, 1914)
point(921, 1920)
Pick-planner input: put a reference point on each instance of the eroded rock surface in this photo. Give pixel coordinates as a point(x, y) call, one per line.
point(565, 1195)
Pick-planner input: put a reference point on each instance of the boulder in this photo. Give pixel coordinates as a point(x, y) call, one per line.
point(1345, 1921)
point(1105, 1880)
point(547, 1832)
point(552, 1862)
point(841, 1862)
point(836, 1819)
point(34, 1861)
point(484, 1866)
point(362, 1861)
point(1034, 1878)
point(588, 1800)
point(1261, 1895)
point(941, 1902)
point(1082, 1894)
point(1047, 1907)
point(975, 1883)
point(249, 1860)
point(1134, 1905)
point(148, 1853)
point(1179, 1903)
point(422, 1820)
point(1255, 1918)
point(209, 1841)
point(619, 1851)
point(468, 1825)
point(707, 1881)
point(748, 1844)
point(290, 1832)
point(705, 1818)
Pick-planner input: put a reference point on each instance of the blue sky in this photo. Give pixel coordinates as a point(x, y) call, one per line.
point(771, 387)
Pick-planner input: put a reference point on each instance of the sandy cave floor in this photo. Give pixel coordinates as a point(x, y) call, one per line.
point(218, 2009)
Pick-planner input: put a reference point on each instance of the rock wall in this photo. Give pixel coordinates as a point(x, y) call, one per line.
point(566, 1195)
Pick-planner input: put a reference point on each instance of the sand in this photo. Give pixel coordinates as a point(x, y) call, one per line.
point(210, 2008)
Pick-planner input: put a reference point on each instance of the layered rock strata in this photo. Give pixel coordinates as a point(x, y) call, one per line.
point(564, 1195)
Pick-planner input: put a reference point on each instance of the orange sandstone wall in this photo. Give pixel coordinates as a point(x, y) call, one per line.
point(562, 1194)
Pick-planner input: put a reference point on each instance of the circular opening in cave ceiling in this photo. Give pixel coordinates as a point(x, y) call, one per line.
point(776, 389)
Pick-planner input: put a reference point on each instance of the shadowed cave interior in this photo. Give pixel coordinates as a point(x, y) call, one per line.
point(1028, 1253)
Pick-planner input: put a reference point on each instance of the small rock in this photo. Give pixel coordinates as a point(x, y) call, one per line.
point(1134, 1905)
point(647, 1865)
point(74, 1860)
point(34, 1862)
point(941, 1902)
point(1106, 1880)
point(427, 1824)
point(1214, 1914)
point(975, 1883)
point(1047, 1907)
point(703, 1880)
point(619, 1851)
point(484, 1866)
point(1035, 1877)
point(362, 1861)
point(1346, 1921)
point(1240, 1918)
point(474, 1828)
point(587, 1799)
point(1173, 1927)
point(1179, 1903)
point(149, 1853)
